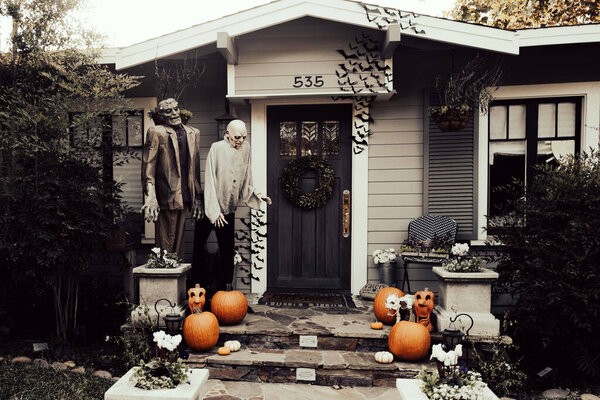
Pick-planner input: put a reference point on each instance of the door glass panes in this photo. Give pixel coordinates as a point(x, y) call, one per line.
point(310, 138)
point(498, 122)
point(566, 119)
point(134, 130)
point(287, 139)
point(516, 121)
point(546, 120)
point(331, 138)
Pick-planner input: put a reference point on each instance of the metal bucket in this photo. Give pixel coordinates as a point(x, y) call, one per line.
point(387, 273)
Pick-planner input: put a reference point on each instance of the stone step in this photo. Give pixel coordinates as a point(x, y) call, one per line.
point(320, 367)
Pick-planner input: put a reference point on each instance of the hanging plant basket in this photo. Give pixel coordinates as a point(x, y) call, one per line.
point(452, 119)
point(291, 182)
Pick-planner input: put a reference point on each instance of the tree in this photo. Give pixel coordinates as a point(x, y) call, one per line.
point(59, 203)
point(549, 261)
point(518, 14)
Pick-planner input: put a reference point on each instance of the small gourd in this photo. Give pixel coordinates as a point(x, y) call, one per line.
point(233, 345)
point(376, 325)
point(384, 357)
point(224, 351)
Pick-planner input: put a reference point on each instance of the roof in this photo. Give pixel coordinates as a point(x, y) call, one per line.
point(353, 13)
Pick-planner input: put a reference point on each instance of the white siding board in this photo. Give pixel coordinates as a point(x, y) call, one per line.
point(385, 163)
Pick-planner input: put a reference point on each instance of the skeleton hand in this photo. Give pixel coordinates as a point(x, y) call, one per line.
point(198, 210)
point(150, 207)
point(267, 200)
point(220, 222)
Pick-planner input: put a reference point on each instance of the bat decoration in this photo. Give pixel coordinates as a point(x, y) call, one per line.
point(255, 237)
point(382, 17)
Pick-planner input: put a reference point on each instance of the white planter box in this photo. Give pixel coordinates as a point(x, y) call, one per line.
point(467, 292)
point(410, 389)
point(158, 283)
point(124, 388)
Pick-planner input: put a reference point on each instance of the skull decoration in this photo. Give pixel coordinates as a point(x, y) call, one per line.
point(236, 133)
point(168, 112)
point(196, 298)
point(423, 307)
point(397, 306)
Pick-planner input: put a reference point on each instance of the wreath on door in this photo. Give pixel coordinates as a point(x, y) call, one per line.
point(291, 182)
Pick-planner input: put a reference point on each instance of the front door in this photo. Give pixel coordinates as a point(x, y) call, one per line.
point(308, 250)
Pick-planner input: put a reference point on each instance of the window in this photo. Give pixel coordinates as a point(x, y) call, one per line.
point(523, 133)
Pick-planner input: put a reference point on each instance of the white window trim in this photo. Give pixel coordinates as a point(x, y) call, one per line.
point(590, 124)
point(359, 196)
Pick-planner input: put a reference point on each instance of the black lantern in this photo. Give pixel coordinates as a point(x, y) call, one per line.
point(223, 120)
point(452, 336)
point(172, 320)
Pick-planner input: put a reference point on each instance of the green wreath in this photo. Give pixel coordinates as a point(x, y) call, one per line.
point(291, 182)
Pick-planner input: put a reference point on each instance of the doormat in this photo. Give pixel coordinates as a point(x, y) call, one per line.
point(307, 300)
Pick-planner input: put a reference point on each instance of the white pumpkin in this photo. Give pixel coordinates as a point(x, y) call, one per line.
point(384, 357)
point(234, 345)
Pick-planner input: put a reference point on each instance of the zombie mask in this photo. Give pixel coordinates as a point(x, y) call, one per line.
point(168, 112)
point(236, 133)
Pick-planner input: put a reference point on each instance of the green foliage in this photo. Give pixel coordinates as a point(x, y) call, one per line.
point(160, 375)
point(503, 377)
point(463, 264)
point(459, 384)
point(28, 382)
point(59, 201)
point(549, 260)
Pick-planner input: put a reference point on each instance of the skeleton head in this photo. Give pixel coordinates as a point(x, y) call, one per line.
point(236, 133)
point(168, 112)
point(392, 303)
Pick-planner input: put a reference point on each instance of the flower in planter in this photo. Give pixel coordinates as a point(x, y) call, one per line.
point(165, 371)
point(162, 259)
point(460, 384)
point(384, 256)
point(461, 261)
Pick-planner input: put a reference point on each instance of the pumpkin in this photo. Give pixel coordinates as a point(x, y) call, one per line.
point(384, 357)
point(201, 330)
point(423, 307)
point(224, 351)
point(229, 307)
point(233, 345)
point(409, 341)
point(376, 325)
point(381, 313)
point(196, 298)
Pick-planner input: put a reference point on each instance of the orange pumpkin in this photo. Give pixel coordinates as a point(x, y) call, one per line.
point(196, 298)
point(423, 307)
point(379, 304)
point(229, 307)
point(409, 341)
point(376, 325)
point(201, 330)
point(224, 351)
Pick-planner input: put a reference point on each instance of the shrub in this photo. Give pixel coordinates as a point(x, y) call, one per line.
point(549, 260)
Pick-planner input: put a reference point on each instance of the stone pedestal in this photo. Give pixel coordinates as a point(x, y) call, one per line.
point(124, 388)
point(467, 292)
point(158, 283)
point(410, 389)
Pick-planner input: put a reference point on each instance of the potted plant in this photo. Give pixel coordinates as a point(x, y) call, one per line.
point(466, 287)
point(462, 90)
point(386, 260)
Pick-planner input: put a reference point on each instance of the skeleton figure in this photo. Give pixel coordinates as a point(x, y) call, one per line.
point(171, 176)
point(395, 305)
point(228, 183)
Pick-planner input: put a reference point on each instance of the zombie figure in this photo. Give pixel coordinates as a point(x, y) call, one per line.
point(171, 176)
point(227, 183)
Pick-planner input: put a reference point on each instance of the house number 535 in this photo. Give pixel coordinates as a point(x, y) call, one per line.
point(308, 81)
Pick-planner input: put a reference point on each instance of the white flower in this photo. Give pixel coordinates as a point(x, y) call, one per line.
point(376, 253)
point(159, 337)
point(376, 259)
point(237, 258)
point(392, 257)
point(165, 252)
point(460, 249)
point(156, 250)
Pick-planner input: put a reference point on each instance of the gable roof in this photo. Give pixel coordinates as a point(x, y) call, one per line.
point(347, 12)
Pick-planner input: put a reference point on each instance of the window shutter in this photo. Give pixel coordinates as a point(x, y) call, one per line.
point(450, 173)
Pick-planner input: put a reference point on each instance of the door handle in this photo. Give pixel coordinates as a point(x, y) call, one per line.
point(346, 213)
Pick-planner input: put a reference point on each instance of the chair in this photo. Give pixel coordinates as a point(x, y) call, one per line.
point(428, 227)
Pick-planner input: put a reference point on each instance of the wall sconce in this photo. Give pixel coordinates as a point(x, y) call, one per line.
point(223, 120)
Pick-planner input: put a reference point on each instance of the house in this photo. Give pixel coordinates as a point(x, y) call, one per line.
point(354, 81)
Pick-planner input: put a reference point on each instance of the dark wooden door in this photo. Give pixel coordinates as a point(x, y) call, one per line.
point(307, 250)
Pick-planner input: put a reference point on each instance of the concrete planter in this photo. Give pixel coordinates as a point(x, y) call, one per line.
point(467, 292)
point(410, 389)
point(158, 283)
point(124, 388)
